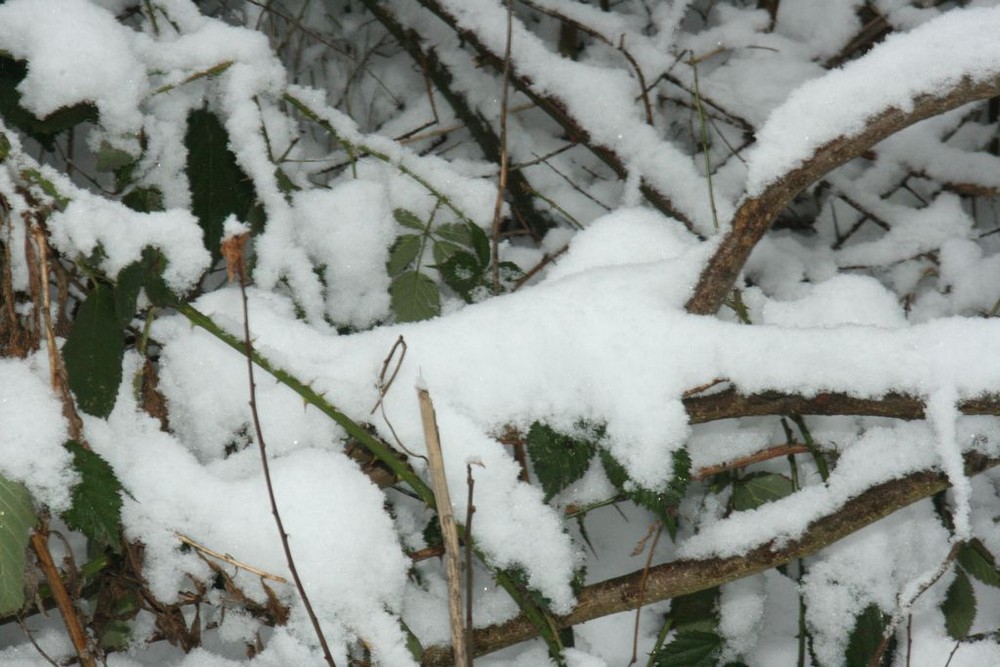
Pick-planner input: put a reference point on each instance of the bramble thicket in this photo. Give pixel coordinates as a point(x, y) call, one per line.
point(540, 332)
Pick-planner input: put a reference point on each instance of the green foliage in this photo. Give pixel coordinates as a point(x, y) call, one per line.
point(219, 188)
point(866, 637)
point(977, 560)
point(661, 501)
point(463, 259)
point(755, 489)
point(97, 502)
point(558, 459)
point(17, 516)
point(959, 606)
point(94, 352)
point(414, 297)
point(127, 288)
point(690, 648)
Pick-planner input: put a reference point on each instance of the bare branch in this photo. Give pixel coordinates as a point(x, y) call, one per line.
point(690, 576)
point(755, 215)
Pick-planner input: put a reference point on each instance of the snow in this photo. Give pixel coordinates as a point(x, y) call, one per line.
point(31, 440)
point(928, 60)
point(598, 336)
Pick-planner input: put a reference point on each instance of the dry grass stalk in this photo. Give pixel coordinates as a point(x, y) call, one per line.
point(449, 529)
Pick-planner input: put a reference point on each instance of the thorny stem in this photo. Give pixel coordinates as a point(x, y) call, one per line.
point(248, 346)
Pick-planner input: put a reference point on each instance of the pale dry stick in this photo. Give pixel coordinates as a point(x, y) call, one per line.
point(504, 155)
point(232, 250)
point(57, 369)
point(449, 529)
point(229, 559)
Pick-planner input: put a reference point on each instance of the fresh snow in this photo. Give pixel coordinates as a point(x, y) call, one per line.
point(600, 335)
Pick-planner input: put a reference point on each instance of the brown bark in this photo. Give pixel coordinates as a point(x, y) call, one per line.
point(683, 577)
point(754, 216)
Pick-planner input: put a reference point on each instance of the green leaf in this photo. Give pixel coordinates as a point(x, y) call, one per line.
point(959, 606)
point(866, 637)
point(285, 184)
point(558, 459)
point(457, 232)
point(403, 252)
point(127, 287)
point(4, 146)
point(94, 353)
point(690, 649)
point(462, 273)
point(110, 158)
point(17, 516)
point(219, 188)
point(443, 250)
point(660, 501)
point(144, 200)
point(695, 611)
point(156, 288)
point(414, 297)
point(756, 489)
point(977, 560)
point(481, 244)
point(407, 219)
point(97, 501)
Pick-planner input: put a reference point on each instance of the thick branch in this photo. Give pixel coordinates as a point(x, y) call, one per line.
point(756, 214)
point(689, 576)
point(730, 404)
point(558, 112)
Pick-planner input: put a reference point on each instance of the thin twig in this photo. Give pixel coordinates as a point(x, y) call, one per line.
point(229, 559)
point(504, 156)
point(40, 545)
point(449, 529)
point(232, 250)
point(642, 591)
point(469, 511)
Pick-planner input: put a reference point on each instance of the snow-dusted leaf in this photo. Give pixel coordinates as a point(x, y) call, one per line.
point(414, 297)
point(959, 606)
point(97, 502)
point(94, 352)
point(481, 244)
point(558, 459)
point(977, 560)
point(690, 649)
point(17, 516)
point(866, 637)
point(756, 489)
point(461, 272)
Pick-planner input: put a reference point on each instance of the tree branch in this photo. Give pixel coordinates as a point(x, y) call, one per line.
point(755, 214)
point(556, 110)
point(730, 404)
point(683, 577)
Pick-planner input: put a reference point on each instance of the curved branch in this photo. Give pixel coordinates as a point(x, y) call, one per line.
point(683, 577)
point(755, 214)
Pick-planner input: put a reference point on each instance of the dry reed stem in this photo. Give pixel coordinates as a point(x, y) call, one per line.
point(449, 529)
